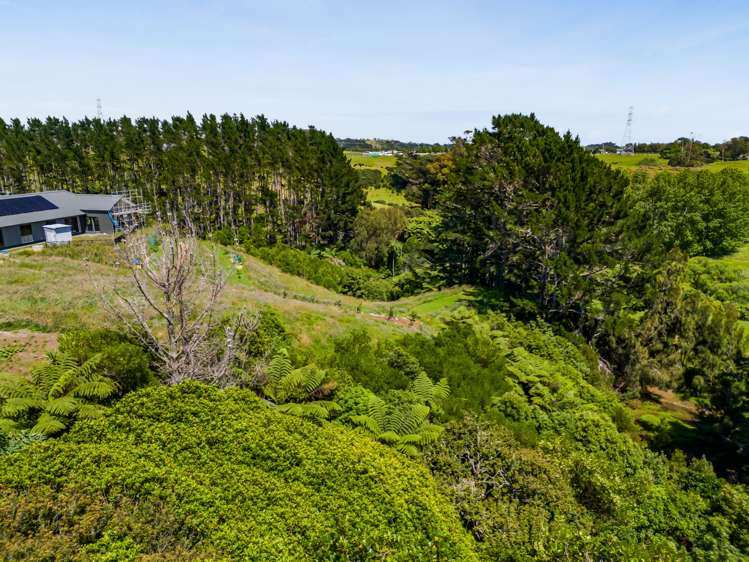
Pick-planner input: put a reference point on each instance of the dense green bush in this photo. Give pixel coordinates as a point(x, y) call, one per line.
point(328, 272)
point(190, 472)
point(121, 358)
point(721, 281)
point(596, 495)
point(701, 213)
point(369, 177)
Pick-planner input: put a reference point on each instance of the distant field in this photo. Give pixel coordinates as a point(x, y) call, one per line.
point(737, 164)
point(628, 163)
point(633, 161)
point(654, 163)
point(382, 196)
point(361, 160)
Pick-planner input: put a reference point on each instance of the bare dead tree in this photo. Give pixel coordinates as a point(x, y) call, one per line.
point(170, 304)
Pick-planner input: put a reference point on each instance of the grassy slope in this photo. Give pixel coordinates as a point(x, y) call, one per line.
point(384, 197)
point(52, 293)
point(362, 160)
point(631, 163)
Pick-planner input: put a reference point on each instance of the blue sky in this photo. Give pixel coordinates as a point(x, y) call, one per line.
point(410, 70)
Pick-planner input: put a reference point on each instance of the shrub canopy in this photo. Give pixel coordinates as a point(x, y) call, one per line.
point(192, 472)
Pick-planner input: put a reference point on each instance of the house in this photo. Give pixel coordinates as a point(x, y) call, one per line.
point(24, 215)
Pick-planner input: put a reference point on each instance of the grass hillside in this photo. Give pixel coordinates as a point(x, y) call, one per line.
point(363, 160)
point(654, 162)
point(384, 197)
point(52, 291)
point(632, 162)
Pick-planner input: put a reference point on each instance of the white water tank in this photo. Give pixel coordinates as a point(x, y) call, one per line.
point(57, 234)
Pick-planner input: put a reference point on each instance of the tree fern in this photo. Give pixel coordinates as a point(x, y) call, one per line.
point(406, 427)
point(63, 406)
point(429, 392)
point(48, 424)
point(280, 366)
point(297, 391)
point(61, 390)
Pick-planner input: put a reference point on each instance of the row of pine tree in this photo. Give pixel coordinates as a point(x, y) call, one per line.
point(285, 183)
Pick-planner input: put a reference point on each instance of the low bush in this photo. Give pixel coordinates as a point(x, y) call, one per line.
point(122, 359)
point(191, 472)
point(328, 272)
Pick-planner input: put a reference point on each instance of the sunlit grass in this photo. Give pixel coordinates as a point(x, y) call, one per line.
point(363, 160)
point(383, 196)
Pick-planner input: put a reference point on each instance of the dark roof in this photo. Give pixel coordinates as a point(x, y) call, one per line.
point(22, 205)
point(25, 208)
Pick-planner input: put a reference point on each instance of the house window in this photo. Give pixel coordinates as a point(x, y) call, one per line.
point(27, 235)
point(92, 224)
point(2, 242)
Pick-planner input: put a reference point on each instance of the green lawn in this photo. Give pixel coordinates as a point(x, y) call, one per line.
point(632, 163)
point(383, 197)
point(735, 164)
point(363, 160)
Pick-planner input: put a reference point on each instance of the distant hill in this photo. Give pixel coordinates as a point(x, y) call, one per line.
point(379, 145)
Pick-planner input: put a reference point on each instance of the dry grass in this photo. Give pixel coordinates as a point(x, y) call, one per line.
point(48, 292)
point(33, 347)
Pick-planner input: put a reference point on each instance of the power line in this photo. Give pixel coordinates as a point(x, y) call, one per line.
point(628, 147)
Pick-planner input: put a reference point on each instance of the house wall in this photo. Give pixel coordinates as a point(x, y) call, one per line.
point(37, 231)
point(12, 234)
point(105, 222)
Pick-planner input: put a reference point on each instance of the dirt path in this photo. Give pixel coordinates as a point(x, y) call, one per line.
point(34, 347)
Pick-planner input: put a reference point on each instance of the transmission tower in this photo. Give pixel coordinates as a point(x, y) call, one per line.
point(99, 113)
point(628, 147)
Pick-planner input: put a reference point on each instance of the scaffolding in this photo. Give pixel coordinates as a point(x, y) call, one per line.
point(130, 211)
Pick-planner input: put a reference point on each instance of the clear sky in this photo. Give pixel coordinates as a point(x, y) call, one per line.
point(410, 70)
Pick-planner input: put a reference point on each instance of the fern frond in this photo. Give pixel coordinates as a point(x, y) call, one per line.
point(47, 424)
point(397, 421)
point(311, 410)
point(329, 405)
point(63, 406)
point(15, 407)
point(16, 389)
point(408, 450)
point(90, 367)
point(65, 368)
point(388, 437)
point(430, 433)
point(291, 408)
point(441, 390)
point(313, 380)
point(422, 387)
point(98, 387)
point(377, 410)
point(291, 385)
point(411, 419)
point(46, 375)
point(366, 422)
point(9, 426)
point(280, 366)
point(90, 411)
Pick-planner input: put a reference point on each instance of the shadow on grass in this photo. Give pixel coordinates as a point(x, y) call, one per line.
point(697, 438)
